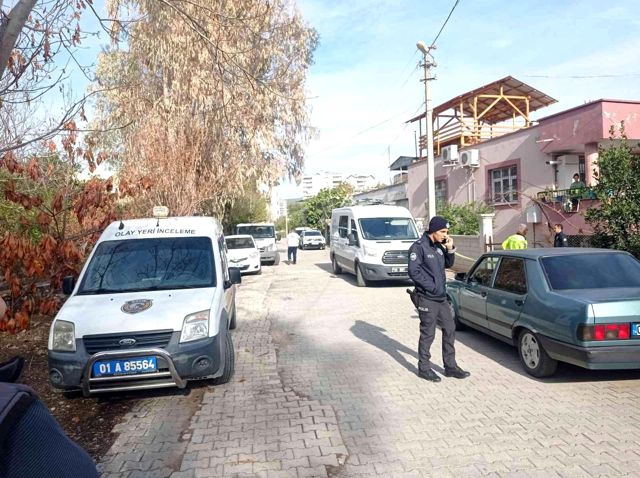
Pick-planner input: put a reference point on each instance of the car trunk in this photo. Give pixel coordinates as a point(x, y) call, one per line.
point(609, 305)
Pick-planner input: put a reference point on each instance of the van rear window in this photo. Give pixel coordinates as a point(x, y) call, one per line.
point(149, 264)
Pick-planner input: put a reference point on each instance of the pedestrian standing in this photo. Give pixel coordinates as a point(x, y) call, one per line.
point(517, 240)
point(428, 258)
point(560, 239)
point(293, 240)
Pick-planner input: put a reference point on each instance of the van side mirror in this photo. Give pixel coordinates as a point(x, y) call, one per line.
point(461, 276)
point(353, 240)
point(278, 237)
point(68, 283)
point(234, 277)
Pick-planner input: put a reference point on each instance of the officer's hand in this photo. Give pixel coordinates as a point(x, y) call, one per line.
point(449, 243)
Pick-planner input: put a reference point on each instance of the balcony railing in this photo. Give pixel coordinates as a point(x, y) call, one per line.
point(569, 199)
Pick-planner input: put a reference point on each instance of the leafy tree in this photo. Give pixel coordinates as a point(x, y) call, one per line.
point(53, 223)
point(464, 218)
point(616, 221)
point(295, 213)
point(213, 94)
point(250, 207)
point(317, 209)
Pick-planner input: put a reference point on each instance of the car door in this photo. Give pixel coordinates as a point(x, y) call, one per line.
point(342, 240)
point(473, 293)
point(507, 296)
point(229, 294)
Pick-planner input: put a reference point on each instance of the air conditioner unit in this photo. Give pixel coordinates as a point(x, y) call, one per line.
point(569, 159)
point(449, 154)
point(470, 158)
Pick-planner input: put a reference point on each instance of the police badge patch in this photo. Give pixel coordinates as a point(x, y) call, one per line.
point(413, 256)
point(136, 306)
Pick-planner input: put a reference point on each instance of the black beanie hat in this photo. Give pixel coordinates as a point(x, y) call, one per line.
point(437, 223)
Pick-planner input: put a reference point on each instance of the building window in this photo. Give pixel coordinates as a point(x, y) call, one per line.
point(504, 185)
point(441, 193)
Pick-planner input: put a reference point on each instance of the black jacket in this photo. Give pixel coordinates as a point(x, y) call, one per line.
point(427, 262)
point(560, 240)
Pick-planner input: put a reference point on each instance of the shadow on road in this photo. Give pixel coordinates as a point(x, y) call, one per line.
point(506, 356)
point(375, 336)
point(351, 279)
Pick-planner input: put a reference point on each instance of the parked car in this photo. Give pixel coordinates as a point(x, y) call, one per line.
point(574, 305)
point(243, 253)
point(264, 234)
point(312, 239)
point(372, 242)
point(153, 307)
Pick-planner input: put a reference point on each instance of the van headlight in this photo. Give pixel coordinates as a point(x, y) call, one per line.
point(370, 252)
point(64, 337)
point(254, 254)
point(195, 326)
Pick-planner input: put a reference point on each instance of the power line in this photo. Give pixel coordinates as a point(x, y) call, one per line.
point(579, 77)
point(444, 24)
point(368, 128)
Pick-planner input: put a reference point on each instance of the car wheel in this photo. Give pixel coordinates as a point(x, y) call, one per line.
point(334, 265)
point(362, 282)
point(229, 362)
point(533, 357)
point(232, 321)
point(259, 271)
point(454, 314)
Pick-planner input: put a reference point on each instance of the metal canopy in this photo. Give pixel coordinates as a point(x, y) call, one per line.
point(485, 97)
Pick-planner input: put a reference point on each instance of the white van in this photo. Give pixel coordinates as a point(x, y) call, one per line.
point(264, 234)
point(372, 242)
point(152, 307)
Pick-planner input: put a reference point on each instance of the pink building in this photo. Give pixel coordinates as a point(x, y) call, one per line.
point(528, 169)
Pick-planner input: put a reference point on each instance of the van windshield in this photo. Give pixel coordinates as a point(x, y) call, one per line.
point(149, 264)
point(388, 228)
point(258, 232)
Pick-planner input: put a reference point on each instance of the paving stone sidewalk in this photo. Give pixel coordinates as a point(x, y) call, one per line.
point(326, 385)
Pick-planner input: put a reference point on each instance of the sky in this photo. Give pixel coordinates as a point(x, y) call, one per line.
point(365, 82)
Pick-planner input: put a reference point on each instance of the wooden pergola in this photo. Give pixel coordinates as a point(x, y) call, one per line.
point(500, 107)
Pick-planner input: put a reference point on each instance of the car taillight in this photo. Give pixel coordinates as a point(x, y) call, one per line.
point(604, 332)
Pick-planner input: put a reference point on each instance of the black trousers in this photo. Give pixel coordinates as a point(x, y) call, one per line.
point(431, 313)
point(292, 254)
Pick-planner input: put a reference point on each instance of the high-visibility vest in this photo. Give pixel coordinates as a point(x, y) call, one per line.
point(515, 241)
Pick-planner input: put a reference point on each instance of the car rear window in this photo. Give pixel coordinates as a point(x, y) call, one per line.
point(239, 242)
point(312, 233)
point(592, 271)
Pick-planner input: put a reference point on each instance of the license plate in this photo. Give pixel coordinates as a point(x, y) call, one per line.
point(105, 368)
point(398, 269)
point(635, 330)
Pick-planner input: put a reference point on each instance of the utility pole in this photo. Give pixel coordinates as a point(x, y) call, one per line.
point(427, 63)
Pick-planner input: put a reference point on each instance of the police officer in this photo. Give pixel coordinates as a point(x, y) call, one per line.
point(428, 258)
point(560, 238)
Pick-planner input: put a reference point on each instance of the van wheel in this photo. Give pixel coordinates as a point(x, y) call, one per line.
point(533, 356)
point(337, 270)
point(229, 362)
point(362, 282)
point(232, 321)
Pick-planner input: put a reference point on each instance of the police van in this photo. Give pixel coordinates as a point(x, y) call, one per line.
point(153, 307)
point(372, 242)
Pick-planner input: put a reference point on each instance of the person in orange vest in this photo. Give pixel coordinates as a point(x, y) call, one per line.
point(517, 240)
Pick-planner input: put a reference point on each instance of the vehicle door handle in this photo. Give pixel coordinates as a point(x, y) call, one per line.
point(519, 302)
